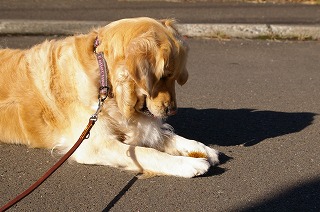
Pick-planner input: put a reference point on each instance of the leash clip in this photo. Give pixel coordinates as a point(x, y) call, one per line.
point(94, 117)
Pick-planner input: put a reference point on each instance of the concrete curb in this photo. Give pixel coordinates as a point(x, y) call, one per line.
point(250, 31)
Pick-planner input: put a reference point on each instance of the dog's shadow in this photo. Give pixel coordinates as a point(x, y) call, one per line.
point(234, 127)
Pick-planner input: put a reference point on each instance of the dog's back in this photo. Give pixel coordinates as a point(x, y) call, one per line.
point(27, 81)
point(13, 84)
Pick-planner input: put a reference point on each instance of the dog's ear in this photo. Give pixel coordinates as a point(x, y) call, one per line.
point(170, 24)
point(142, 60)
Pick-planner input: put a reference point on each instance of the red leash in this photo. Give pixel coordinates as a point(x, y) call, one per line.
point(85, 134)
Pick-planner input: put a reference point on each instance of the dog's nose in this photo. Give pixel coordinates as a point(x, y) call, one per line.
point(170, 111)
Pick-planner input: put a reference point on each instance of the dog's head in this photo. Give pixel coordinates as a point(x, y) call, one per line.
point(146, 57)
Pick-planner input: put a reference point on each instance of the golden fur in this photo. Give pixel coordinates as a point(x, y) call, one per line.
point(48, 93)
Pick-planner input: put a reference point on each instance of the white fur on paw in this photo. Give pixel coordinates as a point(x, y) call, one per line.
point(213, 155)
point(191, 167)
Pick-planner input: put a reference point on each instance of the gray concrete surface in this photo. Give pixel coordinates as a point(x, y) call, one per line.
point(256, 101)
point(198, 18)
point(187, 12)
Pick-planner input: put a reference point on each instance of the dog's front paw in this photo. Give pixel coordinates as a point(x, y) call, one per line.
point(192, 148)
point(212, 155)
point(191, 167)
point(200, 150)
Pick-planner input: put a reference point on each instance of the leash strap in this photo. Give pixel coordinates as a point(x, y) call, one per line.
point(85, 134)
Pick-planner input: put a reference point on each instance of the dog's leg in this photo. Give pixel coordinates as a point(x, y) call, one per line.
point(178, 145)
point(141, 159)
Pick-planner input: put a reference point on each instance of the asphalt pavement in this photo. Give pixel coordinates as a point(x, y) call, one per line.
point(212, 18)
point(257, 101)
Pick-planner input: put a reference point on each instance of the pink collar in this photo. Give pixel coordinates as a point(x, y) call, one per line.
point(103, 67)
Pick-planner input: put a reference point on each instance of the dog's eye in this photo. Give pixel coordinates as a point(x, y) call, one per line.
point(165, 77)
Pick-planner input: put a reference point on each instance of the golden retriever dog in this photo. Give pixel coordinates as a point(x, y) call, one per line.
point(48, 93)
